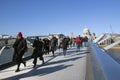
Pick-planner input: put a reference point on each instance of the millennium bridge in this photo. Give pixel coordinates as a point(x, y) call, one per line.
point(90, 63)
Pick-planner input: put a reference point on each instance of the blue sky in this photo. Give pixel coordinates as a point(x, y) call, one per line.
point(41, 17)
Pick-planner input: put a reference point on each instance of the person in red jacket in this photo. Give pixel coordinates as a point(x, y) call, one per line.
point(78, 42)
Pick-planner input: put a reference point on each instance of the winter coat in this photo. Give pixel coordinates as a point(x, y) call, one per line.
point(65, 43)
point(20, 47)
point(38, 48)
point(77, 40)
point(53, 42)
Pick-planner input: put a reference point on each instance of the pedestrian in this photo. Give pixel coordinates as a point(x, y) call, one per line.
point(53, 43)
point(38, 51)
point(46, 45)
point(81, 43)
point(68, 41)
point(78, 42)
point(85, 41)
point(71, 42)
point(20, 47)
point(65, 45)
point(60, 42)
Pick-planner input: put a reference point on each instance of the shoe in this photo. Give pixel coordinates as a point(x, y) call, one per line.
point(34, 66)
point(43, 62)
point(24, 64)
point(17, 70)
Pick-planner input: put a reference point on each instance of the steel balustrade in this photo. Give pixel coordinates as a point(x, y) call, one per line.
point(104, 67)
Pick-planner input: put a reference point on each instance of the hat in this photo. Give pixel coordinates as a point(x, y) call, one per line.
point(19, 34)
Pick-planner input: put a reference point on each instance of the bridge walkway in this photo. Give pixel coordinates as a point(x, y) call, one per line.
point(69, 67)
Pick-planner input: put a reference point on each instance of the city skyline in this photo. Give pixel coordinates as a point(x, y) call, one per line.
point(41, 17)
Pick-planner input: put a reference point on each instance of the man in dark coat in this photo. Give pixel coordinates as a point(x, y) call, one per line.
point(85, 41)
point(20, 47)
point(65, 45)
point(53, 44)
point(38, 51)
point(46, 45)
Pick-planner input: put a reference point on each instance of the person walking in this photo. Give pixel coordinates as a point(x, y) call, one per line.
point(46, 45)
point(65, 45)
point(20, 47)
point(85, 41)
point(38, 51)
point(78, 42)
point(60, 42)
point(53, 43)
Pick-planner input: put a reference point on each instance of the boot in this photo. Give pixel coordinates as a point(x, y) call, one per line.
point(17, 70)
point(24, 64)
point(42, 61)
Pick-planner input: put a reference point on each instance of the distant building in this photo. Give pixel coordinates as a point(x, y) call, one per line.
point(86, 32)
point(4, 36)
point(57, 35)
point(46, 36)
point(93, 36)
point(40, 36)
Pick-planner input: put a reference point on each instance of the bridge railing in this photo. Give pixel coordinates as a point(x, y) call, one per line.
point(6, 55)
point(103, 66)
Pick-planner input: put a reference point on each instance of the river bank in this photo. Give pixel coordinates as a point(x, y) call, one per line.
point(115, 54)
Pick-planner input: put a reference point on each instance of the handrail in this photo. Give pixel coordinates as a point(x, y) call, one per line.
point(104, 67)
point(111, 45)
point(2, 49)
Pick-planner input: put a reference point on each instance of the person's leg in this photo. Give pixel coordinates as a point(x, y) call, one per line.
point(21, 58)
point(52, 50)
point(64, 52)
point(77, 47)
point(23, 62)
point(35, 61)
point(85, 44)
point(18, 61)
point(18, 67)
point(41, 58)
point(48, 50)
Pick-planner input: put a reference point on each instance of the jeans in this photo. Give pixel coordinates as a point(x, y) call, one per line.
point(78, 46)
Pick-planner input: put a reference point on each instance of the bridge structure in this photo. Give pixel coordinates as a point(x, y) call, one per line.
point(91, 63)
point(107, 40)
